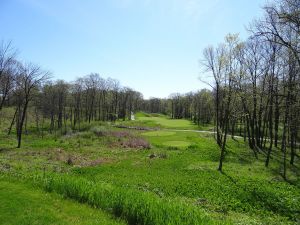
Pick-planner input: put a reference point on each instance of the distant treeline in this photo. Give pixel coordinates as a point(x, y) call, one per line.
point(195, 106)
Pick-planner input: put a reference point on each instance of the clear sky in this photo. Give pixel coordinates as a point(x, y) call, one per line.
point(152, 46)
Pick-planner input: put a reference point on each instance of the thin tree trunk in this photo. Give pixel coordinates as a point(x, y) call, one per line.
point(20, 125)
point(12, 122)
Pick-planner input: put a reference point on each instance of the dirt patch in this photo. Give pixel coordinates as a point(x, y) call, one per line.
point(96, 162)
point(108, 133)
point(78, 160)
point(59, 155)
point(130, 143)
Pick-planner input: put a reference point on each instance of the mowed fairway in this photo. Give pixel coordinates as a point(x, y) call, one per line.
point(166, 139)
point(165, 122)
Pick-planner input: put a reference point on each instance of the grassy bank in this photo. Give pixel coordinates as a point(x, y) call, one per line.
point(23, 204)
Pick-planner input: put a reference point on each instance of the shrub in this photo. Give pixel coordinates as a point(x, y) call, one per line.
point(100, 131)
point(136, 143)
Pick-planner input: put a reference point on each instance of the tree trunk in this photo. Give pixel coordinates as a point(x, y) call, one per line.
point(12, 122)
point(20, 125)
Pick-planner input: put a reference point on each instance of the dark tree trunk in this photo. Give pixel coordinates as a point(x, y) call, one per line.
point(21, 123)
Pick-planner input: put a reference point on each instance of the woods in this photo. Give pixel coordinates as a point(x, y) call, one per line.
point(27, 88)
point(255, 91)
point(257, 81)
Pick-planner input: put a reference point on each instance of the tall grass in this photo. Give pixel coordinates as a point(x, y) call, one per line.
point(135, 207)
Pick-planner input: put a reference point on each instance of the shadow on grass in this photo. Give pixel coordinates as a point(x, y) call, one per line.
point(5, 150)
point(259, 197)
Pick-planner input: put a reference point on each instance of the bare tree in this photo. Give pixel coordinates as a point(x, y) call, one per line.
point(7, 70)
point(29, 79)
point(223, 64)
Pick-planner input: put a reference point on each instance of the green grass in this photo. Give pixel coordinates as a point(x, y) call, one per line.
point(168, 123)
point(163, 121)
point(149, 185)
point(159, 133)
point(164, 139)
point(137, 207)
point(22, 204)
point(245, 193)
point(177, 143)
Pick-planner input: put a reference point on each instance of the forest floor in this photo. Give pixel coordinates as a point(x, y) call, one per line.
point(119, 176)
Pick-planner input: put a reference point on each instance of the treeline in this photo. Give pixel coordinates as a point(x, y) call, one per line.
point(195, 106)
point(257, 83)
point(90, 98)
point(27, 89)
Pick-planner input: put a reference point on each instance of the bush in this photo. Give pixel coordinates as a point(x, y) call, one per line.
point(99, 131)
point(136, 143)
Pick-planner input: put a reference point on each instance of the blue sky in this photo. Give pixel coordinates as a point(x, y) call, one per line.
point(153, 46)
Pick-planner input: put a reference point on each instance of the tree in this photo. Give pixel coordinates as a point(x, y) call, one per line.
point(7, 70)
point(30, 77)
point(223, 64)
point(281, 27)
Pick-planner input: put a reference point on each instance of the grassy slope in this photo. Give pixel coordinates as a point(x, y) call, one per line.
point(164, 122)
point(247, 193)
point(21, 204)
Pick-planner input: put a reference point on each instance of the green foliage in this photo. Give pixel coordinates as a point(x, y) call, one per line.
point(99, 130)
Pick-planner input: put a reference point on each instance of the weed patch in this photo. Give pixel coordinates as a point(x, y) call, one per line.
point(134, 206)
point(138, 143)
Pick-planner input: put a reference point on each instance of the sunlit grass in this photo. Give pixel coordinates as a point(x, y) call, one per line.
point(159, 133)
point(166, 122)
point(177, 143)
point(23, 204)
